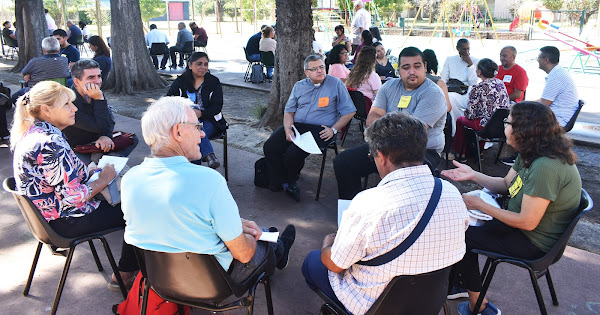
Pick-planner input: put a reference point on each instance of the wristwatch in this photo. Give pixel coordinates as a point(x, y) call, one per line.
point(334, 131)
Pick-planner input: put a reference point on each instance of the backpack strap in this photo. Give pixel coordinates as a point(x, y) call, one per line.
point(414, 235)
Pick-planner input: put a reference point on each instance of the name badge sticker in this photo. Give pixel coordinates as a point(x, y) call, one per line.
point(515, 187)
point(323, 101)
point(404, 101)
point(507, 78)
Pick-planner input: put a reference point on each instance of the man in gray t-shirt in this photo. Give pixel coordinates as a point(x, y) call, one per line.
point(414, 94)
point(319, 104)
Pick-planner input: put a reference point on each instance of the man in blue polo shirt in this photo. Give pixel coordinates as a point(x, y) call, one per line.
point(319, 104)
point(74, 32)
point(66, 49)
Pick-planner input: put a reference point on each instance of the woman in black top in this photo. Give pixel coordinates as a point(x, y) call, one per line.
point(204, 89)
point(385, 64)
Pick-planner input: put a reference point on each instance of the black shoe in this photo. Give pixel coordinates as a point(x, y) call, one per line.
point(212, 160)
point(510, 161)
point(181, 66)
point(287, 238)
point(293, 191)
point(275, 188)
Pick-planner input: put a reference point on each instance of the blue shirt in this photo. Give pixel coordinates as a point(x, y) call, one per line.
point(75, 31)
point(171, 205)
point(71, 53)
point(183, 36)
point(252, 45)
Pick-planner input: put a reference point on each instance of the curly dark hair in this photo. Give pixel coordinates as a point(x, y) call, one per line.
point(362, 69)
point(334, 55)
point(536, 133)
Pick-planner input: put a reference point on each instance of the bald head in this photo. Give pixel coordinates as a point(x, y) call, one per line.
point(508, 55)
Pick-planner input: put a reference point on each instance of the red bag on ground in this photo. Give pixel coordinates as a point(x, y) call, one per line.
point(121, 140)
point(156, 305)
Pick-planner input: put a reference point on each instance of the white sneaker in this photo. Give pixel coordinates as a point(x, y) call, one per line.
point(488, 145)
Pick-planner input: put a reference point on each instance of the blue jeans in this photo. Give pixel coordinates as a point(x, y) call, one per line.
point(254, 57)
point(210, 130)
point(270, 72)
point(316, 275)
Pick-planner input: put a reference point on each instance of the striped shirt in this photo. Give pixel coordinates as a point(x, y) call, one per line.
point(49, 66)
point(560, 90)
point(379, 219)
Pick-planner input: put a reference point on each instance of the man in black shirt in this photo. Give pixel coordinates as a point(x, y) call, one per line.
point(9, 36)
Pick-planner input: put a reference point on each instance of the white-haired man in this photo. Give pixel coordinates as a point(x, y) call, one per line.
point(172, 205)
point(360, 22)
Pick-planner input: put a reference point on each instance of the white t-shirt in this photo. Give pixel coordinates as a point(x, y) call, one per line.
point(362, 18)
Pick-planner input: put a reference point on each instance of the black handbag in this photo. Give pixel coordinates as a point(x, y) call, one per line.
point(261, 175)
point(457, 86)
point(5, 97)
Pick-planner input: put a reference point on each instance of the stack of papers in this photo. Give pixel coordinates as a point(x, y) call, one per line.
point(306, 142)
point(117, 161)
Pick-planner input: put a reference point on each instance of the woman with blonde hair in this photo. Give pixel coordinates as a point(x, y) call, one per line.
point(49, 173)
point(363, 77)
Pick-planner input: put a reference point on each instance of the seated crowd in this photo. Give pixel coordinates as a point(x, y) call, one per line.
point(404, 139)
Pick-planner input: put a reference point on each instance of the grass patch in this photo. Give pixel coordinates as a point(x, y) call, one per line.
point(258, 110)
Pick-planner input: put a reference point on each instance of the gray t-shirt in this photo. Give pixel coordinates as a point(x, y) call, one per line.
point(427, 102)
point(321, 104)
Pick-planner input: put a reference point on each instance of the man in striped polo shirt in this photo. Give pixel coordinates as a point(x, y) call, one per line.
point(560, 92)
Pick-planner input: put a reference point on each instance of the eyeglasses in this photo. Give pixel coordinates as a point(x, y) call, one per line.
point(316, 68)
point(506, 122)
point(541, 57)
point(199, 125)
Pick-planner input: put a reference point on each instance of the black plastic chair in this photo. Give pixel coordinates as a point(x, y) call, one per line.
point(448, 137)
point(361, 112)
point(79, 43)
point(44, 233)
point(423, 294)
point(492, 132)
point(197, 280)
point(12, 48)
point(538, 267)
point(331, 145)
point(249, 67)
point(224, 137)
point(159, 49)
point(571, 122)
point(267, 59)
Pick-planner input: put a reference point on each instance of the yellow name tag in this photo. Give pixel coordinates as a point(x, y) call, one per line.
point(404, 101)
point(515, 187)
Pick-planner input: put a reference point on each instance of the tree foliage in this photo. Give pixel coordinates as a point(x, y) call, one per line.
point(152, 9)
point(553, 4)
point(590, 7)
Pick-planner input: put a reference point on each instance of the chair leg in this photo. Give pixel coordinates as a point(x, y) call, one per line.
point(538, 293)
point(267, 284)
point(477, 140)
point(145, 297)
point(346, 133)
point(499, 152)
point(250, 300)
point(95, 254)
point(63, 279)
point(113, 265)
point(225, 155)
point(486, 268)
point(486, 284)
point(32, 271)
point(551, 287)
point(445, 308)
point(321, 173)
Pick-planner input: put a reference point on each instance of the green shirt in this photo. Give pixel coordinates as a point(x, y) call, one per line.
point(553, 180)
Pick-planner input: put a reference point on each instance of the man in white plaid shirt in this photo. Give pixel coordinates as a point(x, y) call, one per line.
point(379, 219)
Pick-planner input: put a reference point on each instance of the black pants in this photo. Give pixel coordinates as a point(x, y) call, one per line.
point(492, 236)
point(272, 252)
point(105, 217)
point(173, 50)
point(3, 122)
point(353, 164)
point(284, 159)
point(163, 62)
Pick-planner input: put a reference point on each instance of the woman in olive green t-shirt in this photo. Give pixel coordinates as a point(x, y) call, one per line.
point(544, 188)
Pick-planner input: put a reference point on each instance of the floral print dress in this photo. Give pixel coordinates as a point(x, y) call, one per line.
point(48, 172)
point(485, 97)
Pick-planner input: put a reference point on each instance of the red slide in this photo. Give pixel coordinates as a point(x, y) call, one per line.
point(514, 24)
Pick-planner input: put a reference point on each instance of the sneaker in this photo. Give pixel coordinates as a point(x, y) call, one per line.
point(510, 161)
point(287, 238)
point(293, 191)
point(488, 145)
point(490, 309)
point(457, 293)
point(4, 143)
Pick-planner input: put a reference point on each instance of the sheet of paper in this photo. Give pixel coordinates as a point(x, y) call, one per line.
point(476, 217)
point(269, 237)
point(117, 161)
point(343, 205)
point(306, 142)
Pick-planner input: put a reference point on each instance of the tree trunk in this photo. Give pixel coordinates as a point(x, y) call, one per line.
point(132, 69)
point(294, 43)
point(31, 25)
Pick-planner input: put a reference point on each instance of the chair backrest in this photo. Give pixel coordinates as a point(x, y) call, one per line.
point(267, 58)
point(62, 81)
point(571, 122)
point(38, 225)
point(78, 40)
point(188, 47)
point(246, 54)
point(159, 49)
point(359, 102)
point(494, 129)
point(419, 294)
point(585, 205)
point(185, 276)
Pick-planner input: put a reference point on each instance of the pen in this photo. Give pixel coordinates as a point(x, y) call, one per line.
point(98, 170)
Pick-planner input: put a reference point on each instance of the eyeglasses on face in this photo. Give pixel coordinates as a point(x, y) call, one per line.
point(316, 68)
point(199, 125)
point(506, 122)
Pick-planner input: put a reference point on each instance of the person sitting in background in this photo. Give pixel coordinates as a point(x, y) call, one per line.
point(253, 44)
point(336, 62)
point(183, 36)
point(266, 44)
point(101, 55)
point(49, 173)
point(514, 76)
point(381, 218)
point(50, 22)
point(50, 66)
point(206, 93)
point(156, 36)
point(73, 33)
point(94, 121)
point(366, 40)
point(544, 188)
point(196, 213)
point(432, 69)
point(385, 64)
point(66, 49)
point(341, 39)
point(8, 35)
point(84, 31)
point(363, 77)
point(200, 36)
point(485, 97)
